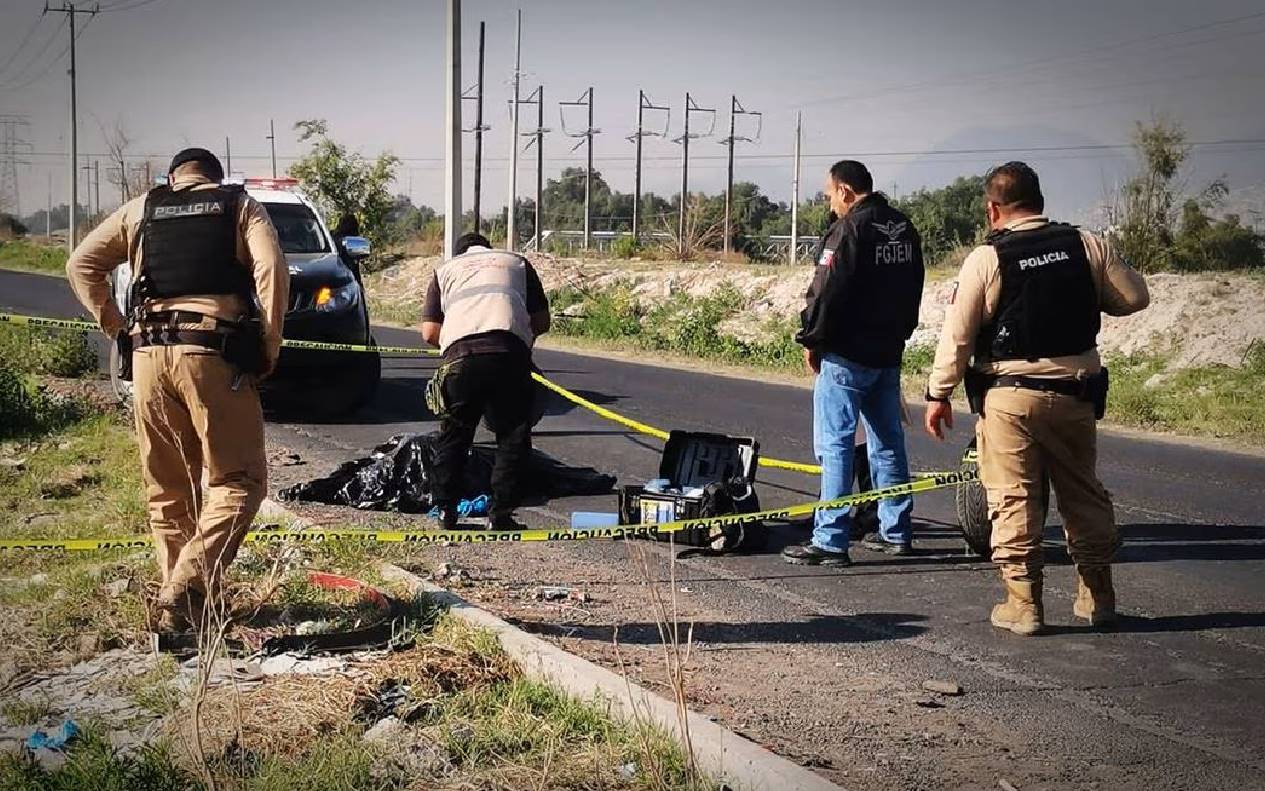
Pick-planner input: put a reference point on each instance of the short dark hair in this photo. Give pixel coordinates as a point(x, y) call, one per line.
point(1015, 185)
point(204, 162)
point(466, 241)
point(854, 174)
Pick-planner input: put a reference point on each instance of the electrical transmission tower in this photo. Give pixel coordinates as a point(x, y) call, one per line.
point(13, 146)
point(736, 109)
point(537, 136)
point(644, 104)
point(690, 107)
point(586, 101)
point(475, 94)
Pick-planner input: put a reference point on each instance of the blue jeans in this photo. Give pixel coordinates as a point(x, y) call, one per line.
point(843, 394)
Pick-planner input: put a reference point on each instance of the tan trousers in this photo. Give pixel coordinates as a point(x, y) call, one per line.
point(189, 418)
point(1024, 436)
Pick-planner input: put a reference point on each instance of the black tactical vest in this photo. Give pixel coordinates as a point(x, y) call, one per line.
point(1049, 306)
point(189, 240)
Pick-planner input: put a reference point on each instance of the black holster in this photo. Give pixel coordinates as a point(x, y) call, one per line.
point(1095, 392)
point(123, 343)
point(244, 347)
point(976, 385)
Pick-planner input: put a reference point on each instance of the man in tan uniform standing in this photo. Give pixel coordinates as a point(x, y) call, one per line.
point(1023, 331)
point(202, 253)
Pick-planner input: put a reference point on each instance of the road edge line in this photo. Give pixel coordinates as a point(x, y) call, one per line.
point(721, 753)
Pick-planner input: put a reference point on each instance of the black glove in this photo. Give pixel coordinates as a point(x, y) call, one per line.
point(123, 343)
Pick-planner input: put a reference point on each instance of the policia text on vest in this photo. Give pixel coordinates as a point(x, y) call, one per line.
point(208, 301)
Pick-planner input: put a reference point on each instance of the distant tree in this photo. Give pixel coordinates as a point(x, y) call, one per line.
point(342, 181)
point(948, 217)
point(1203, 243)
point(1147, 209)
point(1157, 229)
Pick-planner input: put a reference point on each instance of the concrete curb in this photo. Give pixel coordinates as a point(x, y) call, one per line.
point(721, 753)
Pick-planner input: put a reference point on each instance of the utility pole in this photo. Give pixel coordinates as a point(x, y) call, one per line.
point(70, 11)
point(684, 140)
point(272, 141)
point(537, 136)
point(452, 129)
point(643, 104)
point(96, 182)
point(48, 215)
point(12, 146)
point(228, 157)
point(586, 100)
point(511, 231)
point(479, 129)
point(735, 109)
point(87, 187)
point(794, 257)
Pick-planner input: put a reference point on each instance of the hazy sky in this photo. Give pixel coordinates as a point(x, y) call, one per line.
point(896, 83)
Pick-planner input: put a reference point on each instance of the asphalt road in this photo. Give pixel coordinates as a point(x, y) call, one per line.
point(1178, 690)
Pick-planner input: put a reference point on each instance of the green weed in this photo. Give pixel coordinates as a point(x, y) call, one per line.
point(93, 765)
point(1213, 400)
point(28, 257)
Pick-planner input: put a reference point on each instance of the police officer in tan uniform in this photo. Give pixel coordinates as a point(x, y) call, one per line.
point(1022, 331)
point(209, 297)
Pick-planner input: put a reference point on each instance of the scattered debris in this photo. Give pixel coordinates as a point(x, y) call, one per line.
point(628, 771)
point(291, 663)
point(18, 465)
point(68, 482)
point(39, 740)
point(118, 587)
point(553, 593)
point(942, 687)
point(928, 703)
point(388, 731)
point(452, 573)
point(1005, 784)
point(685, 589)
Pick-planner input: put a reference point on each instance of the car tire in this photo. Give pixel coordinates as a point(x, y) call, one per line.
point(971, 501)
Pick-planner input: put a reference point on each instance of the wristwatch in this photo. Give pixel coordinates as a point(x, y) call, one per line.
point(929, 397)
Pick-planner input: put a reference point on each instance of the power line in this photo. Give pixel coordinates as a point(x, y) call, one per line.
point(26, 39)
point(126, 5)
point(48, 42)
point(721, 157)
point(54, 61)
point(1011, 69)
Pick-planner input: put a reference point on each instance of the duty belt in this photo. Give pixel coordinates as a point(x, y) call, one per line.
point(1069, 387)
point(163, 335)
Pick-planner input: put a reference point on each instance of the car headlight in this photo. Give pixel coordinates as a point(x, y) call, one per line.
point(333, 298)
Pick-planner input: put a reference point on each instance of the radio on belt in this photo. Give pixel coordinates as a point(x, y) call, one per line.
point(700, 475)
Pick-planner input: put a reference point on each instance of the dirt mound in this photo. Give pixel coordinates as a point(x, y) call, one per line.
point(1193, 319)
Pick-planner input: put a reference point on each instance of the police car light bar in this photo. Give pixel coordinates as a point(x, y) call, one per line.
point(273, 184)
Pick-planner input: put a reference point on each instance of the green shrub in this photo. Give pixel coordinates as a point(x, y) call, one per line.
point(29, 257)
point(625, 247)
point(50, 352)
point(27, 411)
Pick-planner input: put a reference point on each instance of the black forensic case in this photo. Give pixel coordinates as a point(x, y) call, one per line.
point(724, 467)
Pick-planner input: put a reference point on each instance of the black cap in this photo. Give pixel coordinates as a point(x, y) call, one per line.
point(214, 169)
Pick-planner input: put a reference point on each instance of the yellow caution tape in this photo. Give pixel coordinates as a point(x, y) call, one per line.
point(87, 326)
point(600, 411)
point(644, 530)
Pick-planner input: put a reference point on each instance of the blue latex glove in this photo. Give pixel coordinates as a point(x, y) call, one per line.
point(42, 741)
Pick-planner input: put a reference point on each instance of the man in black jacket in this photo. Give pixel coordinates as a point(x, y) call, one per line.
point(861, 308)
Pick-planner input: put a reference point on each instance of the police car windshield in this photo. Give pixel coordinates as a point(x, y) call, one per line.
point(297, 228)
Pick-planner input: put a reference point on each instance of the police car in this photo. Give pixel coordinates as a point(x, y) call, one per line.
point(327, 305)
